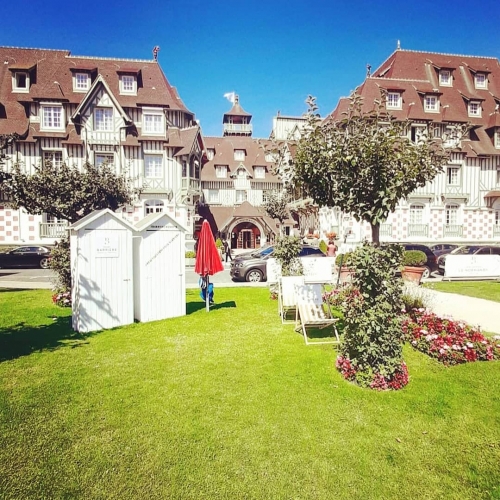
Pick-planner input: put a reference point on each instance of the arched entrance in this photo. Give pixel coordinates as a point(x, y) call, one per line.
point(245, 235)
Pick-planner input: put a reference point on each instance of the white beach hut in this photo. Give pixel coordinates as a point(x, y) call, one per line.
point(159, 268)
point(102, 271)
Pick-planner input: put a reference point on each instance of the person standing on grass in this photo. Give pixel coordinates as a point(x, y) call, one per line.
point(227, 250)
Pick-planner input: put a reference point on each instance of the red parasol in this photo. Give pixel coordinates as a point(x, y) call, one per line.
point(208, 261)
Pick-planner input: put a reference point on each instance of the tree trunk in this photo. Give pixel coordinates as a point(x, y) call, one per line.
point(375, 233)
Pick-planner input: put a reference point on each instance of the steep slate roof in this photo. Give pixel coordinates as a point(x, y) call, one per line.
point(51, 74)
point(416, 74)
point(224, 155)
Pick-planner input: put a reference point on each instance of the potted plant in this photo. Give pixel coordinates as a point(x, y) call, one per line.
point(190, 258)
point(343, 262)
point(413, 265)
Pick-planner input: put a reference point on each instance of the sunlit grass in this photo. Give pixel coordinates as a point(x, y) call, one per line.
point(489, 290)
point(228, 404)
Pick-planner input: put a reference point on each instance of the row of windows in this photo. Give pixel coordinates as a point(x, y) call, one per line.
point(52, 118)
point(221, 172)
point(431, 104)
point(451, 214)
point(81, 82)
point(446, 79)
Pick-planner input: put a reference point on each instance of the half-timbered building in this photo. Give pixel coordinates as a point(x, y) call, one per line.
point(438, 94)
point(236, 180)
point(78, 109)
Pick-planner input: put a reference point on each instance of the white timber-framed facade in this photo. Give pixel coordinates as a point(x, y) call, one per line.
point(78, 109)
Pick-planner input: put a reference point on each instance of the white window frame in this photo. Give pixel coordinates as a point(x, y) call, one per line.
point(239, 154)
point(241, 195)
point(221, 171)
point(480, 81)
point(153, 170)
point(497, 137)
point(100, 157)
point(154, 206)
point(81, 82)
point(210, 153)
point(15, 82)
point(52, 117)
point(474, 109)
point(431, 103)
point(153, 121)
point(417, 213)
point(496, 222)
point(50, 155)
point(103, 119)
point(260, 172)
point(213, 196)
point(394, 100)
point(453, 175)
point(451, 214)
point(128, 84)
point(445, 78)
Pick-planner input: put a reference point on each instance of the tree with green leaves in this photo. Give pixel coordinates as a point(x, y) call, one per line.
point(67, 192)
point(276, 207)
point(364, 163)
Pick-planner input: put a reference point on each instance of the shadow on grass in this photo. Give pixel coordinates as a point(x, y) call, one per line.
point(192, 307)
point(21, 339)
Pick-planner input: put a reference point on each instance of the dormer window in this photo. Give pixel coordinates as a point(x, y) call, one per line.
point(260, 172)
point(239, 154)
point(21, 81)
point(431, 104)
point(153, 121)
point(210, 153)
point(474, 108)
point(103, 119)
point(52, 116)
point(480, 81)
point(497, 137)
point(394, 100)
point(445, 79)
point(128, 84)
point(81, 82)
point(221, 171)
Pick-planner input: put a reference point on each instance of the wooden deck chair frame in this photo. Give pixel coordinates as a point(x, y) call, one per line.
point(310, 312)
point(286, 295)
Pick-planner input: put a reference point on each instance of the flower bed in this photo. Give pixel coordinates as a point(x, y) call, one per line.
point(62, 298)
point(450, 342)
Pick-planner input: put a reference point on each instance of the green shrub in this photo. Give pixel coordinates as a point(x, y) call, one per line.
point(344, 258)
point(415, 258)
point(286, 252)
point(370, 353)
point(60, 263)
point(323, 246)
point(190, 254)
point(218, 243)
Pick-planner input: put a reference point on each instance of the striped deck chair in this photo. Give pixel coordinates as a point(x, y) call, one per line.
point(311, 312)
point(286, 295)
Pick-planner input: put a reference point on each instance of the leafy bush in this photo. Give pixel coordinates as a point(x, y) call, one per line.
point(450, 342)
point(60, 262)
point(370, 353)
point(190, 254)
point(218, 243)
point(286, 252)
point(344, 258)
point(323, 246)
point(415, 258)
point(62, 298)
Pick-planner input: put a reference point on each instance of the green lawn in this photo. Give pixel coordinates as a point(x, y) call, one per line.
point(228, 404)
point(489, 290)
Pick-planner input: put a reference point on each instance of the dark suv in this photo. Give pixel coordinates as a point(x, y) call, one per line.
point(431, 265)
point(253, 266)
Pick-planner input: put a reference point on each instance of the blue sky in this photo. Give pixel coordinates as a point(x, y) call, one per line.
point(272, 53)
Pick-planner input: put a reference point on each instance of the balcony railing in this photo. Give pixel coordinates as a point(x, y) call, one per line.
point(418, 230)
point(190, 184)
point(53, 229)
point(496, 230)
point(453, 230)
point(238, 128)
point(386, 230)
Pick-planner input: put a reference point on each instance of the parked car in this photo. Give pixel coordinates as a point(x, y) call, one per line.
point(431, 265)
point(468, 250)
point(26, 256)
point(442, 248)
point(253, 266)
